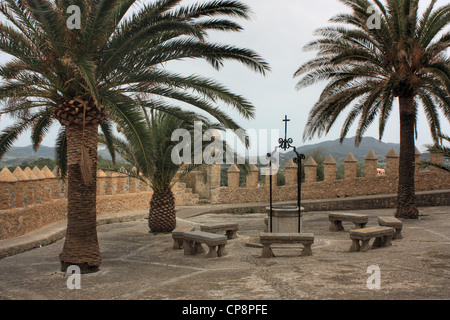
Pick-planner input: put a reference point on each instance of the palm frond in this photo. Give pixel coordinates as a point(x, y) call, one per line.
point(10, 134)
point(41, 127)
point(61, 152)
point(367, 68)
point(118, 59)
point(108, 138)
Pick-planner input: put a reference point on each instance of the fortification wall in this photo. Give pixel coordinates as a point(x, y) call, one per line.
point(330, 188)
point(31, 198)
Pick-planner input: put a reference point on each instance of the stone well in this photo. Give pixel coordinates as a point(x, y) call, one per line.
point(284, 219)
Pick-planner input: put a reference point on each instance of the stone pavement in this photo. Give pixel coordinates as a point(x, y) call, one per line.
point(141, 265)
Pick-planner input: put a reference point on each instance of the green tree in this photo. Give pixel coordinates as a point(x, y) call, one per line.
point(380, 53)
point(31, 163)
point(163, 171)
point(103, 73)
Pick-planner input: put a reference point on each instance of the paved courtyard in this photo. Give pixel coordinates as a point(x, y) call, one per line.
point(141, 265)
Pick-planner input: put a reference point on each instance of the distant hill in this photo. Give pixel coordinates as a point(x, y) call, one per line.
point(18, 155)
point(337, 150)
point(28, 152)
point(340, 151)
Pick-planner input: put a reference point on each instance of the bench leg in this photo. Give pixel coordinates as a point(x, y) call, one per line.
point(198, 248)
point(360, 225)
point(266, 251)
point(378, 243)
point(177, 244)
point(397, 234)
point(355, 247)
point(387, 241)
point(365, 245)
point(221, 252)
point(188, 247)
point(336, 226)
point(212, 252)
point(307, 251)
point(231, 234)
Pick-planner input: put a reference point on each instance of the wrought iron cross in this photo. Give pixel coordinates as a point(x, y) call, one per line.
point(286, 120)
point(285, 143)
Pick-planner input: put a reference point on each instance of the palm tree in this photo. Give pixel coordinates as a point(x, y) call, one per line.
point(101, 74)
point(383, 52)
point(164, 171)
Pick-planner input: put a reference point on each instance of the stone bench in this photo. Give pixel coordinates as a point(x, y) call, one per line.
point(177, 236)
point(382, 235)
point(267, 239)
point(393, 223)
point(229, 229)
point(192, 243)
point(336, 219)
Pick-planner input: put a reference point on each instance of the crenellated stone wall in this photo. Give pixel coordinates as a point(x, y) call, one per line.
point(351, 186)
point(31, 198)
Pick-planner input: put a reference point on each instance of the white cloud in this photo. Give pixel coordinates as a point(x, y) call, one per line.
point(278, 31)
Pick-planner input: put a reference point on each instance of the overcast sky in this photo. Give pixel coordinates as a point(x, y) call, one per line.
point(278, 31)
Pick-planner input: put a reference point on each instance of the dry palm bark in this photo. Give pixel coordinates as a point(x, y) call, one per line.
point(81, 247)
point(162, 217)
point(406, 206)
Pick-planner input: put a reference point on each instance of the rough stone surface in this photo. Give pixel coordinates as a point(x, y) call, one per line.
point(268, 239)
point(382, 235)
point(229, 229)
point(177, 236)
point(393, 223)
point(336, 219)
point(200, 236)
point(353, 217)
point(140, 265)
point(31, 204)
point(192, 243)
point(368, 233)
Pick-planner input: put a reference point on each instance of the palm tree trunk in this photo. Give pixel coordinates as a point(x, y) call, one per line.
point(81, 247)
point(162, 217)
point(406, 204)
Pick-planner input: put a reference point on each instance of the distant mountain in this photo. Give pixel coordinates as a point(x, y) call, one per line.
point(28, 152)
point(340, 151)
point(17, 155)
point(335, 148)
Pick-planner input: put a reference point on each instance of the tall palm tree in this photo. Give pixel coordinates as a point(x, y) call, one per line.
point(164, 171)
point(380, 53)
point(101, 74)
